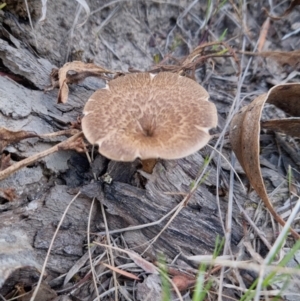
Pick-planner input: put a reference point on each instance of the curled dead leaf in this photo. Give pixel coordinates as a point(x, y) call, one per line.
point(75, 72)
point(291, 58)
point(245, 130)
point(196, 58)
point(285, 97)
point(289, 126)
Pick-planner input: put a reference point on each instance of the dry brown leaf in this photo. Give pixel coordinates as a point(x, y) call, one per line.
point(147, 266)
point(289, 126)
point(287, 11)
point(9, 137)
point(291, 58)
point(245, 130)
point(292, 154)
point(183, 283)
point(196, 58)
point(121, 272)
point(285, 97)
point(75, 72)
point(263, 34)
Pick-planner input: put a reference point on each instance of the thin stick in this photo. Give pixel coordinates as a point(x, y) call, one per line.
point(15, 167)
point(141, 226)
point(59, 133)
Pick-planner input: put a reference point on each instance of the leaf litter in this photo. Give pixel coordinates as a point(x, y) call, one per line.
point(241, 124)
point(245, 132)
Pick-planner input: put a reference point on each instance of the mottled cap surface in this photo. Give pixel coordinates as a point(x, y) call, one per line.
point(148, 116)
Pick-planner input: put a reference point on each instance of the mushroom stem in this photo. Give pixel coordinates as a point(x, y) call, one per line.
point(148, 165)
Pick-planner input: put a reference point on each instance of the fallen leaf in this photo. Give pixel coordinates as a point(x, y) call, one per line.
point(287, 11)
point(75, 72)
point(245, 130)
point(183, 283)
point(263, 34)
point(291, 154)
point(285, 97)
point(289, 126)
point(291, 58)
point(8, 137)
point(188, 64)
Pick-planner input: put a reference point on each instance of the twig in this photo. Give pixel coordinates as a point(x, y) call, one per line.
point(15, 167)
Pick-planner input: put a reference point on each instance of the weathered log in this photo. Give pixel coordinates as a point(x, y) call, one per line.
point(133, 198)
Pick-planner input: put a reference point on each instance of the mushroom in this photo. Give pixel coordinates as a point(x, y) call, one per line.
point(149, 116)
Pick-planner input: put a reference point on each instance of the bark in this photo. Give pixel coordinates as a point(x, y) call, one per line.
point(44, 190)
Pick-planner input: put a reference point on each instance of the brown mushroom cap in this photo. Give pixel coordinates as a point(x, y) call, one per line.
point(145, 116)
